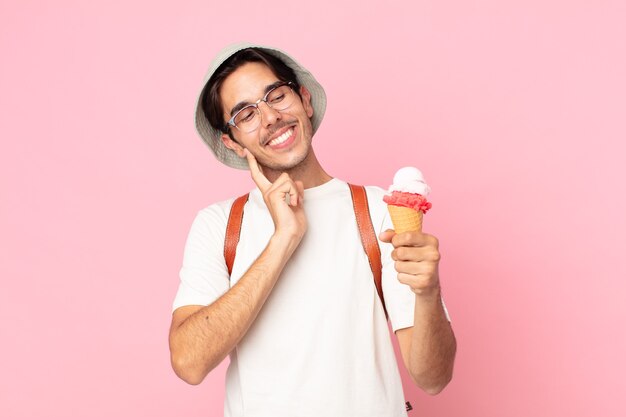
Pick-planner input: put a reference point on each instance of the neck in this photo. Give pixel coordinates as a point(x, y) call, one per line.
point(309, 171)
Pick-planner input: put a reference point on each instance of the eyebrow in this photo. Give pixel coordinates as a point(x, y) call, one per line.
point(243, 104)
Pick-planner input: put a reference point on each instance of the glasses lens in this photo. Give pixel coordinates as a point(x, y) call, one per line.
point(248, 119)
point(280, 98)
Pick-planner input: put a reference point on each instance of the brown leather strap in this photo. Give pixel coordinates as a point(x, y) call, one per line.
point(368, 237)
point(233, 231)
point(363, 219)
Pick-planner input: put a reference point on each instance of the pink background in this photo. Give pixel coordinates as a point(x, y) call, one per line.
point(515, 110)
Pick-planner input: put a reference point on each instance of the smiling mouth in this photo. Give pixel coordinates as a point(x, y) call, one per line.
point(281, 139)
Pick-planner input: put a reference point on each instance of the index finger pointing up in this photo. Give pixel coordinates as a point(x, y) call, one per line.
point(257, 176)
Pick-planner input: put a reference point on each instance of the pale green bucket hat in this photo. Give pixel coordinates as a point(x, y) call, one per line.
point(212, 137)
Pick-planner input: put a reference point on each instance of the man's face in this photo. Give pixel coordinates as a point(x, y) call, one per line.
point(283, 139)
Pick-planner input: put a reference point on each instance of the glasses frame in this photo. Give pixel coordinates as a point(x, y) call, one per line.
point(231, 122)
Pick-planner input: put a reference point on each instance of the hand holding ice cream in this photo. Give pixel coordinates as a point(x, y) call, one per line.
point(416, 255)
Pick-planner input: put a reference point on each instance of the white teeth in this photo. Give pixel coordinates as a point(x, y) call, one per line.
point(281, 138)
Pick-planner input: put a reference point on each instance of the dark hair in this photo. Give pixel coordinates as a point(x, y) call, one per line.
point(211, 101)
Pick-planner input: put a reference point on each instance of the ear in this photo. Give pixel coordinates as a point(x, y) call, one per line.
point(306, 101)
point(231, 144)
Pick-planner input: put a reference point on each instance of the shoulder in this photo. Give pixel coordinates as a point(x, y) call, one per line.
point(208, 229)
point(377, 207)
point(375, 197)
point(375, 193)
point(214, 215)
point(216, 212)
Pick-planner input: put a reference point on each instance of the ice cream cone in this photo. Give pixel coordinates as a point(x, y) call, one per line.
point(405, 219)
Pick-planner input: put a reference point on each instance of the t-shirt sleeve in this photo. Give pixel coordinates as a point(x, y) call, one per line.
point(399, 299)
point(204, 276)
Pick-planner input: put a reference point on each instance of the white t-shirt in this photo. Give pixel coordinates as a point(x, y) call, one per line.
point(320, 345)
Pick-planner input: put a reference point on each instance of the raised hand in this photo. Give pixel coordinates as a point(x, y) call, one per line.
point(283, 198)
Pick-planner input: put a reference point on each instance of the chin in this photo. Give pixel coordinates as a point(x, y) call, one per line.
point(295, 162)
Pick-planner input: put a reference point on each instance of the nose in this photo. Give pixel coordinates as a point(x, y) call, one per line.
point(269, 116)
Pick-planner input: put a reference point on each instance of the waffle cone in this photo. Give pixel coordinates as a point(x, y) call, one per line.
point(405, 219)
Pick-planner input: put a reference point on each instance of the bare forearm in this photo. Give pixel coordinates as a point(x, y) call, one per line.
point(203, 339)
point(433, 345)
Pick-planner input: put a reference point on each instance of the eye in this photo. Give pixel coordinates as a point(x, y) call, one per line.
point(277, 99)
point(277, 95)
point(245, 115)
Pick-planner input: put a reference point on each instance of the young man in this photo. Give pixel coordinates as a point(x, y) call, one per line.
point(299, 314)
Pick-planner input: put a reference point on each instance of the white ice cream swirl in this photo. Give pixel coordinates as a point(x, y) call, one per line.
point(409, 180)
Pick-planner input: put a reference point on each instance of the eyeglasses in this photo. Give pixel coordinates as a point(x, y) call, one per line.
point(248, 119)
